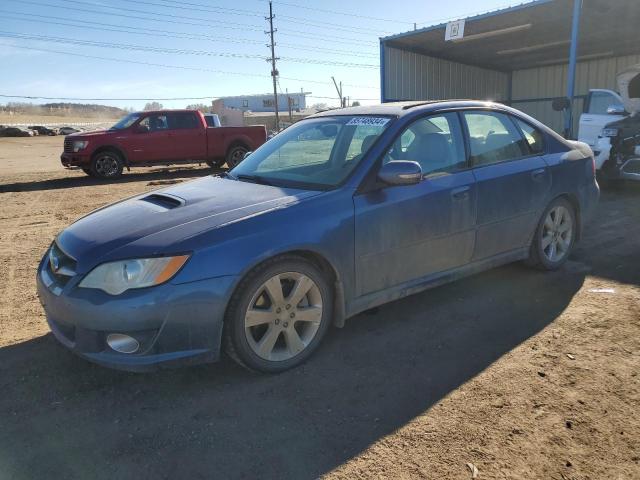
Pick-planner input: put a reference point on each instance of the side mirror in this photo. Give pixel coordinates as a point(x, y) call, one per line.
point(142, 129)
point(561, 103)
point(615, 110)
point(401, 172)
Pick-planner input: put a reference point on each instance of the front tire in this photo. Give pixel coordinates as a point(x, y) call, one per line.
point(278, 315)
point(554, 237)
point(107, 165)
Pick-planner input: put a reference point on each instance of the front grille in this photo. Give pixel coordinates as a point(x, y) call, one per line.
point(68, 145)
point(61, 265)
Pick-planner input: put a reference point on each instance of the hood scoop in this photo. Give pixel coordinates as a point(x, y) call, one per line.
point(163, 201)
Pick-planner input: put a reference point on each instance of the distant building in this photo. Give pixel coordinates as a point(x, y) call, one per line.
point(266, 103)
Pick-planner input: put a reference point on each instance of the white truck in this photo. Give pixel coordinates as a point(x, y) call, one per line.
point(610, 125)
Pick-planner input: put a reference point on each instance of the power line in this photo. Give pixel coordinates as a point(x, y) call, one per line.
point(33, 97)
point(226, 25)
point(173, 34)
point(175, 51)
point(232, 11)
point(347, 14)
point(179, 67)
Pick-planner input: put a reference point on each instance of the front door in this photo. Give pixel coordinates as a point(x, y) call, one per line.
point(150, 142)
point(406, 233)
point(512, 180)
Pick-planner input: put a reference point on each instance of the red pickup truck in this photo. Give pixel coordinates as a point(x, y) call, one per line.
point(163, 137)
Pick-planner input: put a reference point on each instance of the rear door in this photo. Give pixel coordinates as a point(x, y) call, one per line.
point(406, 233)
point(512, 180)
point(187, 136)
point(595, 116)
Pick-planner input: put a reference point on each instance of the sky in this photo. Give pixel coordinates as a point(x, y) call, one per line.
point(163, 49)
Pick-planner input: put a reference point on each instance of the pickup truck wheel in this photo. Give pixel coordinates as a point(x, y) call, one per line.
point(235, 155)
point(107, 165)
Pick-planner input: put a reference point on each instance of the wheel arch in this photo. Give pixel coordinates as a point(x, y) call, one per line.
point(111, 148)
point(573, 200)
point(320, 261)
point(237, 142)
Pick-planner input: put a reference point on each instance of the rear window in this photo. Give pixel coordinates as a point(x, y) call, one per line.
point(182, 121)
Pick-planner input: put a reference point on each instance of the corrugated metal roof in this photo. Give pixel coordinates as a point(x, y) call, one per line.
point(531, 34)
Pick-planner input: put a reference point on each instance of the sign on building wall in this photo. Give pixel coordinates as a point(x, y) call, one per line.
point(454, 31)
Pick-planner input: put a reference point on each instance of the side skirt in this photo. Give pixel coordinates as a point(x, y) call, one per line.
point(376, 299)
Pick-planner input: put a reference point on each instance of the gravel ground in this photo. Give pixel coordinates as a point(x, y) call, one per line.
point(518, 373)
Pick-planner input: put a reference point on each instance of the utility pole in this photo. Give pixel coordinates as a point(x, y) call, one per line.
point(339, 90)
point(274, 70)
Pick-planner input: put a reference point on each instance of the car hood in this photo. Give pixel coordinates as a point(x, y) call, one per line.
point(629, 88)
point(181, 211)
point(95, 133)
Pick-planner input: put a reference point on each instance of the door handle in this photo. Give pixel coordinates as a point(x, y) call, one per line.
point(538, 174)
point(460, 193)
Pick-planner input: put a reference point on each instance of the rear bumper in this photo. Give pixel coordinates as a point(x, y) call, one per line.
point(590, 195)
point(174, 324)
point(70, 160)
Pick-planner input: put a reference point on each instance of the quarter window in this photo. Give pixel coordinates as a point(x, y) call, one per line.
point(493, 138)
point(532, 136)
point(434, 142)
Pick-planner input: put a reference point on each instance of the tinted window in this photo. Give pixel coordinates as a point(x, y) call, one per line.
point(434, 142)
point(182, 121)
point(600, 101)
point(532, 136)
point(155, 122)
point(493, 138)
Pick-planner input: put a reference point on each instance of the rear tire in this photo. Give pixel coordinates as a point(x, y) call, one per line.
point(235, 155)
point(278, 315)
point(555, 236)
point(107, 165)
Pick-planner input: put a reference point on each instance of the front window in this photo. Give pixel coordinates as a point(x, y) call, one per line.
point(317, 153)
point(127, 121)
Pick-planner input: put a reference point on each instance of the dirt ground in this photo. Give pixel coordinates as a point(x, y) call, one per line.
point(522, 374)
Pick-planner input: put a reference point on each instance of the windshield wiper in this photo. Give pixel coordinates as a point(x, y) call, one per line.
point(254, 179)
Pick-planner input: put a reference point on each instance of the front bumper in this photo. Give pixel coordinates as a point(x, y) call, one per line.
point(175, 324)
point(70, 160)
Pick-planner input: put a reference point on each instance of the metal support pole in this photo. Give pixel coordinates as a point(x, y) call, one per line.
point(571, 77)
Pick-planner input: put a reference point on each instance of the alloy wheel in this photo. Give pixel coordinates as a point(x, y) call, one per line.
point(283, 316)
point(557, 233)
point(106, 165)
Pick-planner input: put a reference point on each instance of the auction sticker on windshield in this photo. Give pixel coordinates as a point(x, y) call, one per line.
point(369, 121)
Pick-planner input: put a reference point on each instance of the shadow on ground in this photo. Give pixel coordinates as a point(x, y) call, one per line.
point(161, 176)
point(66, 418)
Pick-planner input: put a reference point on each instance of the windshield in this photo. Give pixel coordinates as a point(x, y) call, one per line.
point(319, 152)
point(126, 122)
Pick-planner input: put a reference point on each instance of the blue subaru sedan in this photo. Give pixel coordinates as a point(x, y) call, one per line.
point(343, 211)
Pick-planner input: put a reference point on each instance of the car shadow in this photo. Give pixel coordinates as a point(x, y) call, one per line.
point(62, 416)
point(162, 176)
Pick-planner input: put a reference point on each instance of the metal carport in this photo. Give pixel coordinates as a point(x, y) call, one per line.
point(518, 55)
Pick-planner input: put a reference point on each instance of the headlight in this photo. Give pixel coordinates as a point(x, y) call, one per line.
point(118, 277)
point(610, 132)
point(80, 145)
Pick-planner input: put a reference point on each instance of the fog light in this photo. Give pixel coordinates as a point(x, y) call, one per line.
point(122, 343)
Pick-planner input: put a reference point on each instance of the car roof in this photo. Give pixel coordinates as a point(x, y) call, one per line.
point(177, 110)
point(402, 108)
